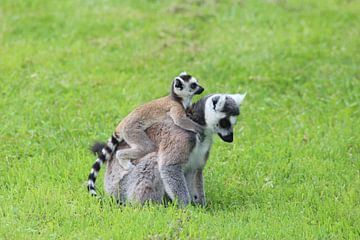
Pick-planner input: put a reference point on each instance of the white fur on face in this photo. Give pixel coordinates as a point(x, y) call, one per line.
point(186, 94)
point(220, 104)
point(192, 80)
point(213, 116)
point(177, 90)
point(233, 120)
point(186, 98)
point(186, 91)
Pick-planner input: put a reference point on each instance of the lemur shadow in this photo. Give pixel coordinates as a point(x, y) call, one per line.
point(216, 202)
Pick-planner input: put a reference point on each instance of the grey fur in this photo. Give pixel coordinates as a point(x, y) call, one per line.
point(176, 169)
point(230, 107)
point(175, 184)
point(197, 111)
point(132, 129)
point(144, 183)
point(141, 184)
point(199, 196)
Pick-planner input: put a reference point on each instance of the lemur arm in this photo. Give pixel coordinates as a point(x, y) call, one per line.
point(174, 183)
point(199, 196)
point(180, 119)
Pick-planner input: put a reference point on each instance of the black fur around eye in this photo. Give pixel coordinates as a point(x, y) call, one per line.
point(193, 85)
point(225, 123)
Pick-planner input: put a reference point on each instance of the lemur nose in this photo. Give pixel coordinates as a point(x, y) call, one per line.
point(199, 90)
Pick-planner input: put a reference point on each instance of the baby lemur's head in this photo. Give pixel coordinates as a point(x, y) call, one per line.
point(184, 87)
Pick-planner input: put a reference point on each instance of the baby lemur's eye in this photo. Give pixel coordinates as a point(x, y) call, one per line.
point(225, 123)
point(193, 85)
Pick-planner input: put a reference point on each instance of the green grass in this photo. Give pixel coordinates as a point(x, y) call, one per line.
point(70, 70)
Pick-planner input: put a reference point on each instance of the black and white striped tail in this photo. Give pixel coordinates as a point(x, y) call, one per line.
point(104, 152)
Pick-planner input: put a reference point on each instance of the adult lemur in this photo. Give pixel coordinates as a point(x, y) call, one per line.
point(132, 128)
point(176, 167)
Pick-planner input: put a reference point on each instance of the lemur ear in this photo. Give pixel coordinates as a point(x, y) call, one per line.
point(218, 102)
point(178, 84)
point(215, 100)
point(183, 73)
point(239, 98)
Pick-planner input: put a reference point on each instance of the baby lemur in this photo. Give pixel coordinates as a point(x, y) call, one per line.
point(132, 128)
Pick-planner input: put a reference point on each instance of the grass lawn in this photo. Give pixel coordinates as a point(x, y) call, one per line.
point(71, 70)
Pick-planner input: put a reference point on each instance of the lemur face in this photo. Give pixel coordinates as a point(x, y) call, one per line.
point(186, 86)
point(221, 112)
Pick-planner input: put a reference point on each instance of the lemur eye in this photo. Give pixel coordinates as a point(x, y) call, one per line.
point(193, 85)
point(225, 123)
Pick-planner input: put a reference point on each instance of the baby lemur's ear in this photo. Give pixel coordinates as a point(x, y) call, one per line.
point(239, 98)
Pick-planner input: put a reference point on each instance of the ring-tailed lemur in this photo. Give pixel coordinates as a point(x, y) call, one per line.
point(132, 128)
point(176, 168)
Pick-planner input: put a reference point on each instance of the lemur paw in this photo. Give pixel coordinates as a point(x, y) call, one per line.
point(198, 200)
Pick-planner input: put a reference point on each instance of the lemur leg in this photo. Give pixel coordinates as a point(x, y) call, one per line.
point(190, 176)
point(175, 184)
point(199, 196)
point(139, 142)
point(174, 153)
point(144, 181)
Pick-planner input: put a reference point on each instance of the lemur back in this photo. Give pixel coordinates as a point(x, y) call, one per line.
point(132, 128)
